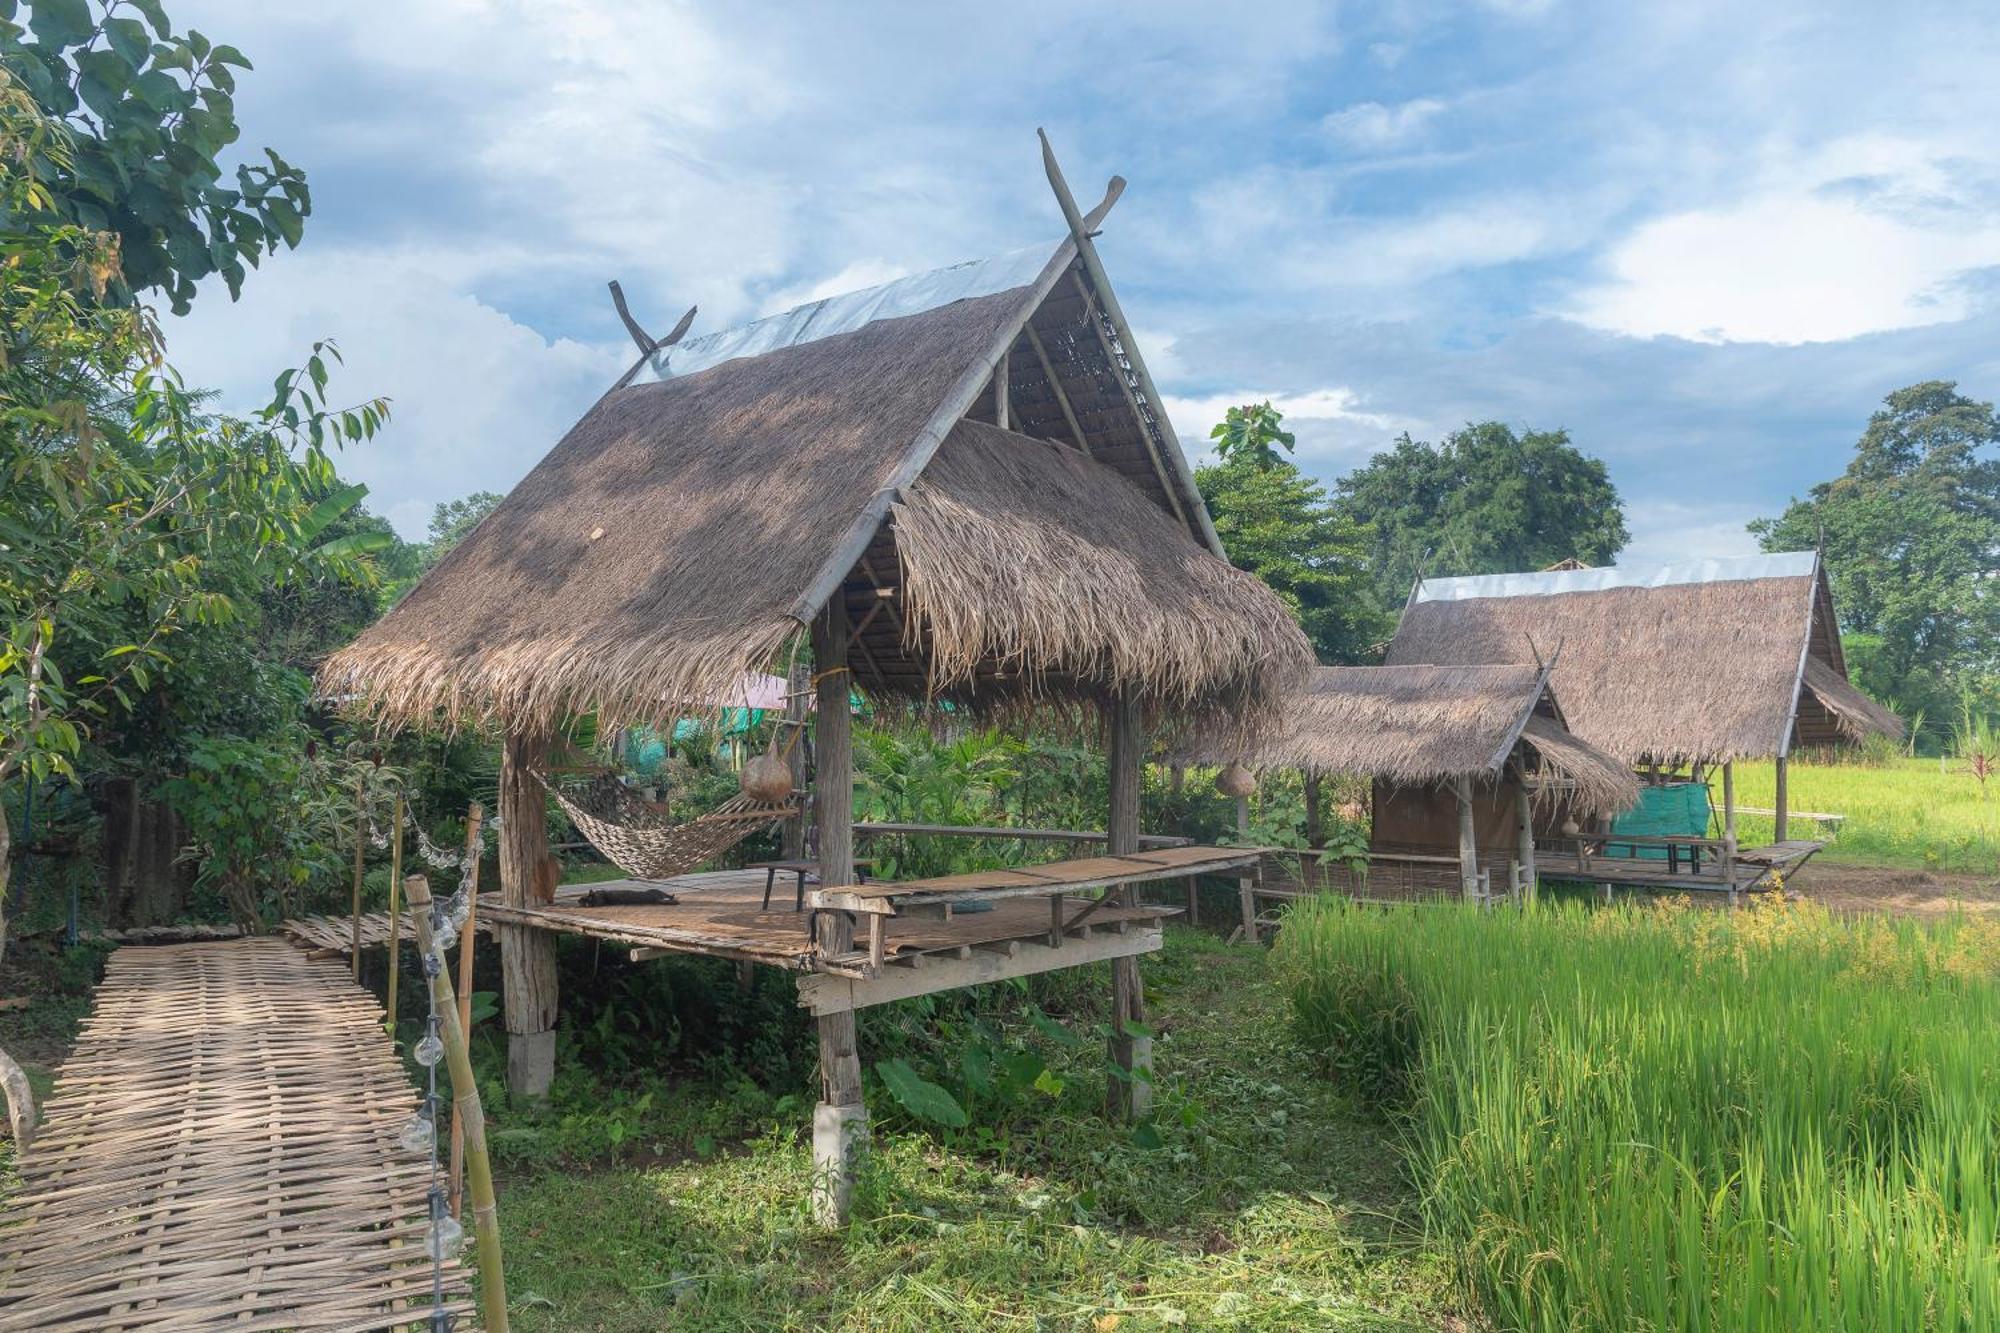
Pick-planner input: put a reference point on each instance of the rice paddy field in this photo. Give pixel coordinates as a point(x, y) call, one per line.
point(1663, 1119)
point(1927, 814)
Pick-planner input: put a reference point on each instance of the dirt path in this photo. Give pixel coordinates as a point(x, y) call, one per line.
point(1894, 889)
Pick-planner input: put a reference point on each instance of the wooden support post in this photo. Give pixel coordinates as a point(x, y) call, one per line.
point(1468, 846)
point(527, 955)
point(1246, 887)
point(474, 817)
point(1729, 825)
point(1524, 819)
point(360, 851)
point(1193, 899)
point(792, 832)
point(1315, 830)
point(1000, 372)
point(1783, 824)
point(465, 1111)
point(1131, 1090)
point(840, 1121)
point(395, 911)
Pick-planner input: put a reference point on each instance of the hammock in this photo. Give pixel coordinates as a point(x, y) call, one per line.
point(642, 842)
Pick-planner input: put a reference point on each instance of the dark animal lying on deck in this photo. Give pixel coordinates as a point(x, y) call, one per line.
point(627, 898)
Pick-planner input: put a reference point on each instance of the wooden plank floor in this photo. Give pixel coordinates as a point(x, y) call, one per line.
point(718, 912)
point(221, 1152)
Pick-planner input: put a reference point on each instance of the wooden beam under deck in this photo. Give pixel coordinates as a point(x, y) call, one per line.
point(823, 993)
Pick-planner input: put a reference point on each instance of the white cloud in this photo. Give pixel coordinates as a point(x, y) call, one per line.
point(1862, 236)
point(1664, 531)
point(1374, 126)
point(476, 398)
point(1327, 422)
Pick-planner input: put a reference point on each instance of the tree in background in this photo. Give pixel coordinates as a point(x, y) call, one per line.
point(147, 111)
point(1911, 534)
point(1275, 522)
point(1485, 501)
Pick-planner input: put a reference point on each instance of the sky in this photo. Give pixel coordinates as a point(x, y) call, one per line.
point(1704, 238)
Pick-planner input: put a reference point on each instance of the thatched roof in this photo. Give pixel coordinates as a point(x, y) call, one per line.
point(684, 531)
point(1426, 725)
point(1702, 661)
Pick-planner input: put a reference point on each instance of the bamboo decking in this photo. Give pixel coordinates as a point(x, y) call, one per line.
point(221, 1153)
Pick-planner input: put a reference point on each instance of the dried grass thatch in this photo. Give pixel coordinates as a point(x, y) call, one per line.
point(1024, 556)
point(1854, 713)
point(655, 555)
point(1425, 725)
point(674, 538)
point(1695, 671)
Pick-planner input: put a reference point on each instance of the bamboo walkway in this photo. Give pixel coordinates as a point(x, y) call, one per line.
point(221, 1153)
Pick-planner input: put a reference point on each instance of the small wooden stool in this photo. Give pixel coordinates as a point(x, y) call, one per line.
point(801, 868)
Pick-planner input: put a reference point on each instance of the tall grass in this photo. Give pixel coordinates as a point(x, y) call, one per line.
point(1658, 1119)
point(1922, 813)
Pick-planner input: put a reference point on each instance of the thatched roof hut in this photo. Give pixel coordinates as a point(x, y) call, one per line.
point(967, 458)
point(1429, 726)
point(1704, 661)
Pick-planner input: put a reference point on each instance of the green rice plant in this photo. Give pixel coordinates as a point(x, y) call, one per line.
point(1664, 1119)
point(1923, 813)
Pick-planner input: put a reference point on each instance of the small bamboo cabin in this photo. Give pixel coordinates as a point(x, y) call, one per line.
point(1676, 670)
point(1471, 768)
point(960, 485)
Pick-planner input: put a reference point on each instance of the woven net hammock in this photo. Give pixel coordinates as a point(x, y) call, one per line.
point(642, 842)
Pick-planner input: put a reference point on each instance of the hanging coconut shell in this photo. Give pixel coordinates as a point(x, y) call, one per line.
point(1570, 827)
point(766, 779)
point(1236, 780)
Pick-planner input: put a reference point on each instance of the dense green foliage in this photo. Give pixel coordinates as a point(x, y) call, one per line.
point(1911, 531)
point(1275, 522)
point(1484, 501)
point(150, 111)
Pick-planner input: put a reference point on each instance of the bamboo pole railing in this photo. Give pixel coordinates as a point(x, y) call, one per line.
point(466, 1112)
point(467, 941)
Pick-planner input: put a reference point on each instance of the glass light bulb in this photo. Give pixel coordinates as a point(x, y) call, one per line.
point(444, 1239)
point(428, 1051)
point(418, 1135)
point(444, 936)
point(461, 908)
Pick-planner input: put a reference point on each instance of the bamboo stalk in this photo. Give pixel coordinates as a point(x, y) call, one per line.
point(360, 852)
point(473, 819)
point(395, 909)
point(465, 1112)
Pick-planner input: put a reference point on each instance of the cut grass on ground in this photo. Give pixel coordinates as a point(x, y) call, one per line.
point(1280, 1206)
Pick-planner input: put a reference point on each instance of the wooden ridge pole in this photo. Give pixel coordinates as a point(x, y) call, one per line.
point(395, 909)
point(360, 852)
point(465, 1111)
point(474, 817)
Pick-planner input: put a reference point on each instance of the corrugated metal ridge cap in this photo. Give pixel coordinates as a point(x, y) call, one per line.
point(1730, 569)
point(911, 295)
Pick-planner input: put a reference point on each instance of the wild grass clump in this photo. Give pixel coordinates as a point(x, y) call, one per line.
point(1649, 1118)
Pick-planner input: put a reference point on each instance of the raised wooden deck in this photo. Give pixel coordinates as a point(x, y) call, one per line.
point(717, 914)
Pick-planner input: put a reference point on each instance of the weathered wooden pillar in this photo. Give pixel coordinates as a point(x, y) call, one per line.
point(1129, 1098)
point(1524, 822)
point(1783, 823)
point(527, 955)
point(1468, 847)
point(1246, 886)
point(792, 833)
point(1729, 823)
point(1315, 830)
point(840, 1121)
